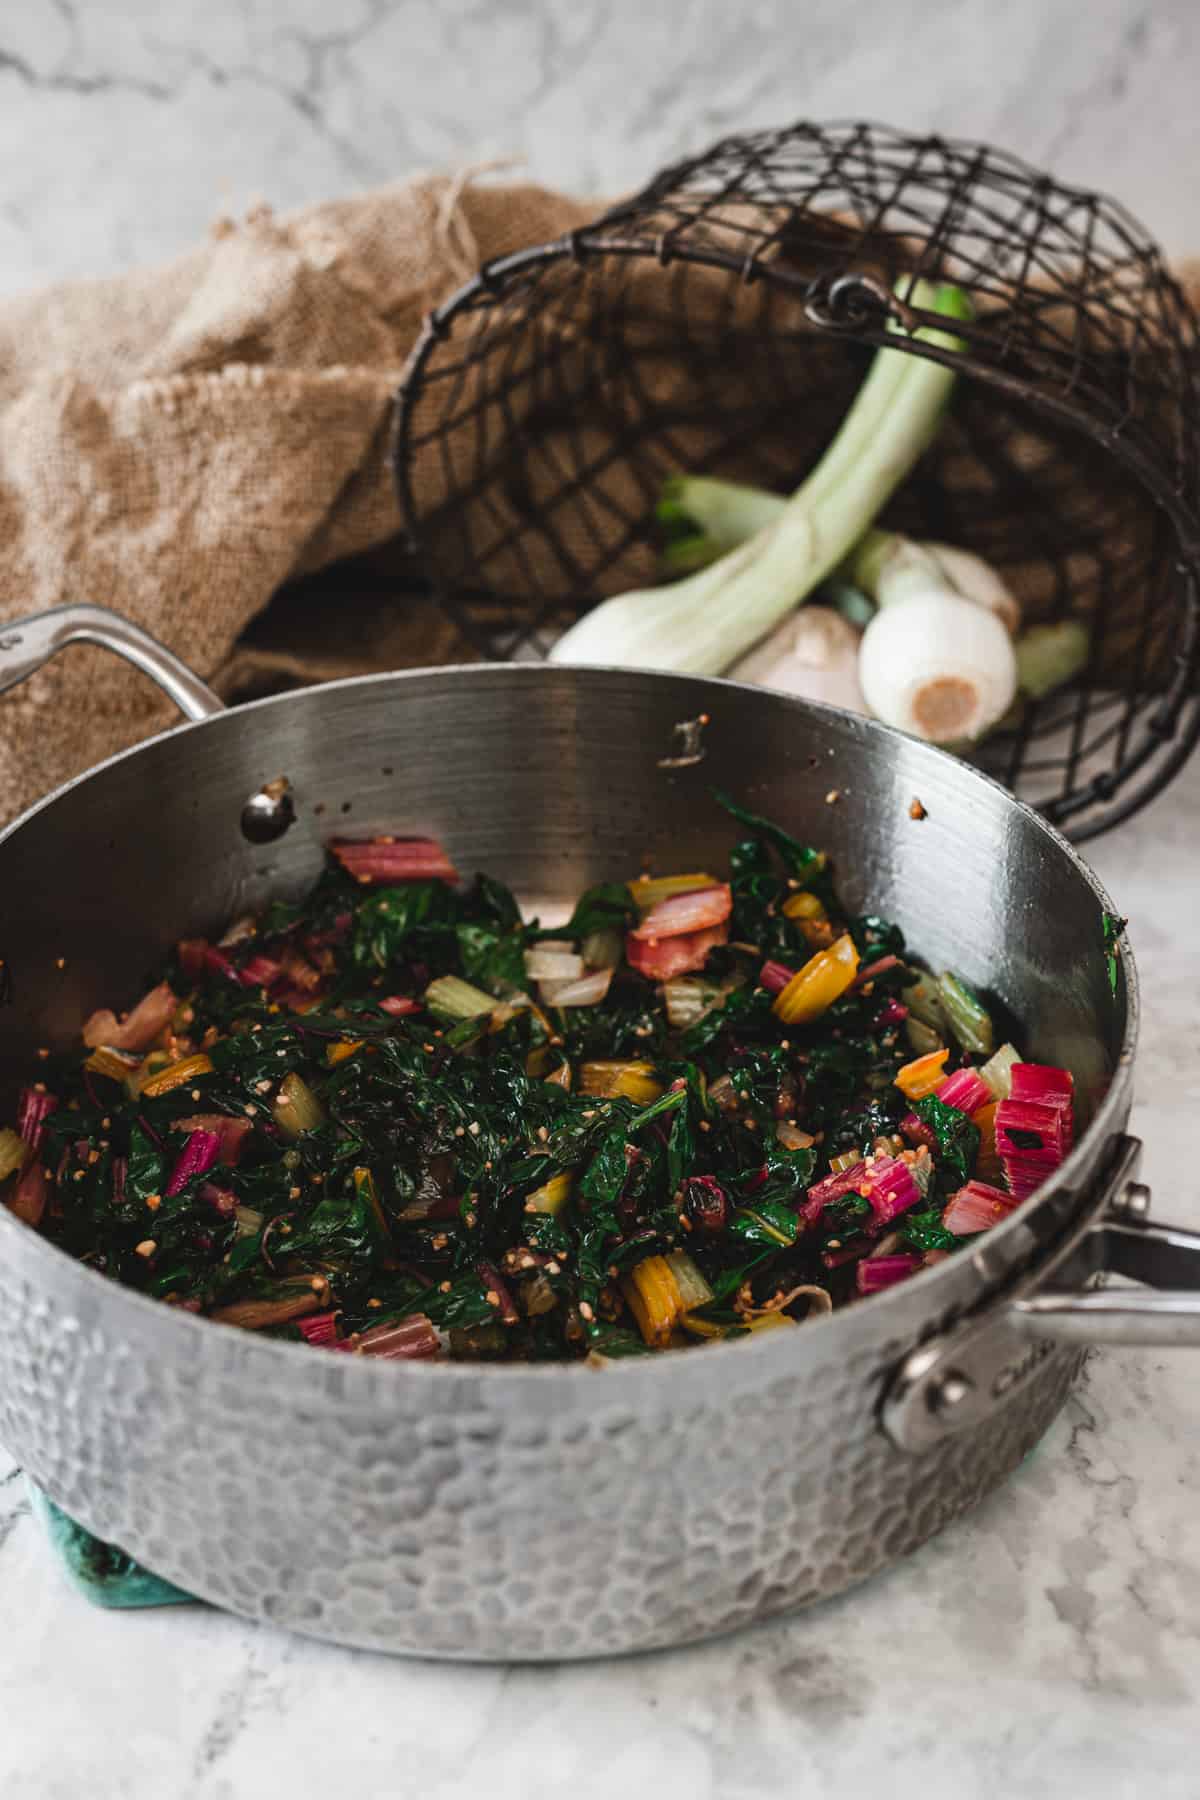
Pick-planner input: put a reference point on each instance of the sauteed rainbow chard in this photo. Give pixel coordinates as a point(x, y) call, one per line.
point(398, 1120)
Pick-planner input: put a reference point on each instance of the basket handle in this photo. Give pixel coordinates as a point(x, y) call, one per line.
point(1164, 1313)
point(26, 644)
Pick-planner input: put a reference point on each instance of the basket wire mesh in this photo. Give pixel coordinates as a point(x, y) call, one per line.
point(721, 321)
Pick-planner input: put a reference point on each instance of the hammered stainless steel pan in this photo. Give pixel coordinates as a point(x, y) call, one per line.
point(501, 1512)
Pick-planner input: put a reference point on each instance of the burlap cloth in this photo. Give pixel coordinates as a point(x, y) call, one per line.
point(182, 442)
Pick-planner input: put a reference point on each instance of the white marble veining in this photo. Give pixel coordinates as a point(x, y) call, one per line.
point(1048, 1646)
point(124, 128)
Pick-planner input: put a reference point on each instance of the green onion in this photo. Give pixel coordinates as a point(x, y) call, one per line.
point(1048, 656)
point(296, 1109)
point(967, 1016)
point(705, 622)
point(704, 517)
point(857, 608)
point(891, 568)
point(937, 659)
point(452, 998)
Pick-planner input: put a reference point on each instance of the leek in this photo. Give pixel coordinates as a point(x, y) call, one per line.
point(702, 624)
point(1048, 656)
point(704, 517)
point(720, 515)
point(857, 608)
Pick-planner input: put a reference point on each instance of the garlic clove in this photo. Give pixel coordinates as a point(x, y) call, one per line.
point(937, 666)
point(814, 654)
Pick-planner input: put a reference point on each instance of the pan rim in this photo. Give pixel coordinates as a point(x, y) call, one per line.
point(767, 1349)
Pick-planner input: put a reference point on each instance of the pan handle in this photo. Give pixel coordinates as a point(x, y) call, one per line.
point(1166, 1313)
point(960, 1377)
point(26, 644)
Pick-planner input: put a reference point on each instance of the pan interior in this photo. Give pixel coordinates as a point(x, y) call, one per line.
point(549, 779)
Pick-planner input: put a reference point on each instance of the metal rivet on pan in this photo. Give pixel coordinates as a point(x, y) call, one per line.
point(950, 1392)
point(1132, 1204)
point(267, 814)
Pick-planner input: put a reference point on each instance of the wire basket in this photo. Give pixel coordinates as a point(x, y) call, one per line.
point(722, 320)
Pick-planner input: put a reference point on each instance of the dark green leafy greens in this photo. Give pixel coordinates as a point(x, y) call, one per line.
point(475, 1178)
point(1113, 929)
point(957, 1142)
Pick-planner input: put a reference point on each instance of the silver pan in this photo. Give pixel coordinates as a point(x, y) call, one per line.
point(501, 1512)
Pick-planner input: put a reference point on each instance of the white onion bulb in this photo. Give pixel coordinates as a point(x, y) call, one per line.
point(938, 666)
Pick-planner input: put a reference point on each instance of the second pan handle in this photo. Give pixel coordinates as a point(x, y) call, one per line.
point(957, 1378)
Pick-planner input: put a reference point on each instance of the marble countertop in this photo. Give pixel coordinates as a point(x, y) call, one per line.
point(1047, 1645)
point(125, 128)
